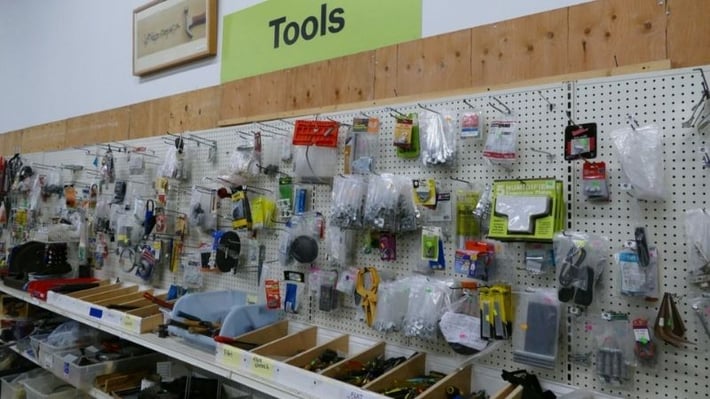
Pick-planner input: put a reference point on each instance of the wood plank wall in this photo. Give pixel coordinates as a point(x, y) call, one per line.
point(591, 36)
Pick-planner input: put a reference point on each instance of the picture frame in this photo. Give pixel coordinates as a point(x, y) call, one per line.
point(167, 33)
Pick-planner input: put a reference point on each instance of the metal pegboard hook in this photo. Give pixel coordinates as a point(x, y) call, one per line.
point(267, 128)
point(465, 101)
point(460, 180)
point(428, 109)
point(86, 150)
point(501, 107)
point(704, 83)
point(212, 152)
point(401, 115)
point(550, 105)
point(338, 122)
point(632, 121)
point(550, 156)
point(38, 165)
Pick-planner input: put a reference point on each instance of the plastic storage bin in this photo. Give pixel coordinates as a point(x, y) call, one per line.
point(227, 307)
point(75, 336)
point(12, 387)
point(83, 377)
point(49, 387)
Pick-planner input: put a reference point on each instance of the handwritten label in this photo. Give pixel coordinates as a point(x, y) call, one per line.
point(262, 367)
point(231, 357)
point(128, 323)
point(349, 394)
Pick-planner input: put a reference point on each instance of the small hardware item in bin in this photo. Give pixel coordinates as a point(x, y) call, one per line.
point(324, 360)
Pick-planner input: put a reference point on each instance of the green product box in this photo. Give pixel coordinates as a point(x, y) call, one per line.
point(527, 210)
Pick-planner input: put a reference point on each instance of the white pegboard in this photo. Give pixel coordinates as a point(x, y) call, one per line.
point(665, 99)
point(661, 97)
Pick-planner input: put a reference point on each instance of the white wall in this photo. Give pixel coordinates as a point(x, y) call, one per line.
point(63, 58)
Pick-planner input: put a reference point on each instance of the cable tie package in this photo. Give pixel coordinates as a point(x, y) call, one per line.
point(437, 137)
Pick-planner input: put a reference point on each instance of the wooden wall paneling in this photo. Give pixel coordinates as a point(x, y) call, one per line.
point(254, 95)
point(11, 143)
point(338, 81)
point(46, 137)
point(149, 118)
point(435, 63)
point(99, 127)
point(632, 30)
point(386, 71)
point(520, 49)
point(194, 110)
point(14, 141)
point(688, 32)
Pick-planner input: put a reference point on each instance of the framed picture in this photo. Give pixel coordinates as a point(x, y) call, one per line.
point(167, 33)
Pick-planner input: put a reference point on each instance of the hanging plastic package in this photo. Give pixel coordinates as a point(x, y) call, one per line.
point(697, 234)
point(315, 150)
point(108, 168)
point(640, 152)
point(437, 138)
point(615, 359)
point(502, 144)
point(536, 334)
point(580, 259)
point(392, 304)
point(461, 326)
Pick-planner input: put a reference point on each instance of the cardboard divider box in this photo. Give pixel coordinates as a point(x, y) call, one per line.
point(119, 305)
point(290, 345)
point(339, 345)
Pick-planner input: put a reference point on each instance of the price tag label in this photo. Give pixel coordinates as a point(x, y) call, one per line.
point(262, 367)
point(128, 323)
point(231, 357)
point(349, 393)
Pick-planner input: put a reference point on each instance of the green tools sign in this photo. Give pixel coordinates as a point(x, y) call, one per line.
point(279, 34)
